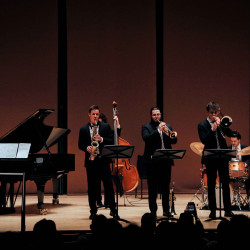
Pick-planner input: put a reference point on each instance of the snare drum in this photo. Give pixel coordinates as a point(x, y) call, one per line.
point(237, 169)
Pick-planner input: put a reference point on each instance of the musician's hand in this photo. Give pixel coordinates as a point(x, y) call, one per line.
point(89, 149)
point(117, 120)
point(216, 124)
point(97, 138)
point(162, 126)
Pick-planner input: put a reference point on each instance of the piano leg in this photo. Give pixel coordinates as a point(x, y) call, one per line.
point(3, 194)
point(40, 184)
point(55, 182)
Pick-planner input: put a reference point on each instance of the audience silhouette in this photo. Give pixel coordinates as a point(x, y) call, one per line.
point(104, 232)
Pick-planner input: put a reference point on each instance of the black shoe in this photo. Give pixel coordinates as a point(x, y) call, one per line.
point(92, 215)
point(229, 214)
point(106, 205)
point(167, 214)
point(212, 215)
point(114, 214)
point(99, 204)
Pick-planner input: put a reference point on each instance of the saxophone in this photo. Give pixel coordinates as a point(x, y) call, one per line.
point(94, 144)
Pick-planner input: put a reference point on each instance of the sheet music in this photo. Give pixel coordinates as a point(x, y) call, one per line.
point(23, 150)
point(8, 150)
point(14, 150)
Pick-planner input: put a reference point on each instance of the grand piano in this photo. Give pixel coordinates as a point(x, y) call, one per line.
point(38, 167)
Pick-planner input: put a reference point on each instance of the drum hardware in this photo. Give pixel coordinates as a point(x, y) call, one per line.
point(238, 199)
point(197, 148)
point(203, 190)
point(238, 172)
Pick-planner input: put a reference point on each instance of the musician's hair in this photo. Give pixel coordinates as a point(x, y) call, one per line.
point(213, 106)
point(154, 108)
point(236, 134)
point(93, 107)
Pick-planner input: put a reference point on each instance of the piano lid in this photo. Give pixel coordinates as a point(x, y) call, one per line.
point(33, 130)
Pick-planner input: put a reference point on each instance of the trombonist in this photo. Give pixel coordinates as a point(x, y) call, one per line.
point(158, 135)
point(212, 135)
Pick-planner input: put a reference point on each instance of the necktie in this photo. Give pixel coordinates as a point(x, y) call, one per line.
point(217, 139)
point(162, 142)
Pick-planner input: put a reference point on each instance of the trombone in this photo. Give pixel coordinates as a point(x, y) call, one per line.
point(226, 121)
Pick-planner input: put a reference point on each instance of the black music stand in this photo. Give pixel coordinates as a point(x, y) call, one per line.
point(12, 154)
point(168, 154)
point(117, 152)
point(218, 154)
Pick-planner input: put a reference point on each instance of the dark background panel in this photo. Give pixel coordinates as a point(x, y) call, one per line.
point(28, 62)
point(111, 57)
point(206, 59)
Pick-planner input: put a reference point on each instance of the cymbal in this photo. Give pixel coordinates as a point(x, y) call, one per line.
point(197, 147)
point(245, 151)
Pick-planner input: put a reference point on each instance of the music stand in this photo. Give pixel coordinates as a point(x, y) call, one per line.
point(218, 154)
point(14, 153)
point(168, 154)
point(117, 152)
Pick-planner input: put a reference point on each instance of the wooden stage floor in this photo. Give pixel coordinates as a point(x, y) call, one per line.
point(72, 213)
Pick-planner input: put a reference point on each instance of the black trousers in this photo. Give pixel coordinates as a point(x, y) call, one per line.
point(97, 172)
point(158, 179)
point(222, 167)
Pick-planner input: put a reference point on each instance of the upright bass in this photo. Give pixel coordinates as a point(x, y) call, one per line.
point(127, 173)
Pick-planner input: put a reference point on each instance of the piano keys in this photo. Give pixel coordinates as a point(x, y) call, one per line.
point(38, 167)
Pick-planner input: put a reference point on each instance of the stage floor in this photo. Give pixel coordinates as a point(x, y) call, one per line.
point(72, 213)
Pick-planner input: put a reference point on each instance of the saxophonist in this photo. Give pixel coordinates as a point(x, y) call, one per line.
point(158, 171)
point(92, 137)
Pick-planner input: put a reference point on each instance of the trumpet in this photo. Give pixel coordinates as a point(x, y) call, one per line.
point(168, 131)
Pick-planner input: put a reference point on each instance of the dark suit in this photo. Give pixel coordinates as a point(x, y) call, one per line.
point(99, 169)
point(208, 138)
point(246, 159)
point(158, 171)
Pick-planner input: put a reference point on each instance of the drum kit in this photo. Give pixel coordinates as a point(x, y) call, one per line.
point(238, 173)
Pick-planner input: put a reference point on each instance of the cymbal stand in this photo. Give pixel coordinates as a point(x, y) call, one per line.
point(238, 199)
point(203, 198)
point(203, 190)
